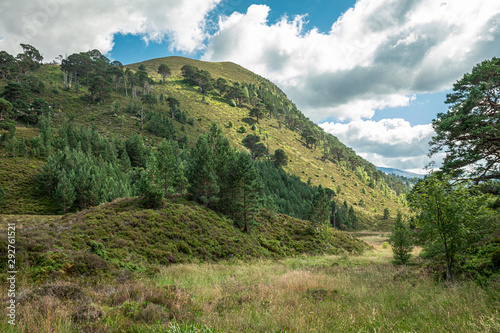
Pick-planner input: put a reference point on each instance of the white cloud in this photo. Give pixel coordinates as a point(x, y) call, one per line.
point(362, 108)
point(388, 142)
point(373, 52)
point(63, 26)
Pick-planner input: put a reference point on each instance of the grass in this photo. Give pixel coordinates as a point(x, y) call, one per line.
point(103, 241)
point(17, 180)
point(334, 293)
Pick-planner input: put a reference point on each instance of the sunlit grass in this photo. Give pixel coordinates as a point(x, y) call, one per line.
point(338, 293)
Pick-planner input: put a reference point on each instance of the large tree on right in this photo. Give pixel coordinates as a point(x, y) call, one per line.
point(469, 132)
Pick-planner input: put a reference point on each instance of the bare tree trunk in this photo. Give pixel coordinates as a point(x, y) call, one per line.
point(142, 117)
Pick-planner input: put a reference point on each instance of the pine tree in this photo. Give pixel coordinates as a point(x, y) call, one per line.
point(150, 185)
point(201, 173)
point(386, 213)
point(180, 180)
point(353, 219)
point(249, 187)
point(125, 160)
point(64, 193)
point(167, 164)
point(320, 207)
point(401, 242)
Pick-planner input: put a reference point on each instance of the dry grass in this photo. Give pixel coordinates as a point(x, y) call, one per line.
point(332, 294)
point(305, 294)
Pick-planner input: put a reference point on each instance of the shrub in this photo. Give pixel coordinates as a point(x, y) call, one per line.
point(98, 249)
point(86, 264)
point(495, 258)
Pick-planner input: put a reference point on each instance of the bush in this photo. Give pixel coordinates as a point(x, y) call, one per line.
point(98, 249)
point(495, 258)
point(86, 264)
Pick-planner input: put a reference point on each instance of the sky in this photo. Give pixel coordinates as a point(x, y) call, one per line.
point(374, 73)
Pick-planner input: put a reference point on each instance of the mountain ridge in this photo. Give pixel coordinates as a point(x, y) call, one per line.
point(402, 173)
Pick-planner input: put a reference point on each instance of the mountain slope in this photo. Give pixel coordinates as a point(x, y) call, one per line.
point(402, 173)
point(354, 180)
point(355, 185)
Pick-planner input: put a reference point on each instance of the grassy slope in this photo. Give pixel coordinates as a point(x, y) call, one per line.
point(179, 232)
point(304, 162)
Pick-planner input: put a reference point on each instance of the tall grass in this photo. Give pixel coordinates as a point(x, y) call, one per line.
point(352, 297)
point(304, 294)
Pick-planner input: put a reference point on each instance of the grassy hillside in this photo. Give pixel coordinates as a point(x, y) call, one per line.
point(353, 187)
point(120, 235)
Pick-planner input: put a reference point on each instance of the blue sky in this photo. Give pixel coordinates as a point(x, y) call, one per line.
point(374, 73)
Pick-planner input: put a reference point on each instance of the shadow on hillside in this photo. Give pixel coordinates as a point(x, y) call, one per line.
point(249, 121)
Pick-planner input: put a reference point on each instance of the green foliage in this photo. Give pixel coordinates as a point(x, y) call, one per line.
point(167, 164)
point(149, 100)
point(247, 188)
point(280, 158)
point(98, 249)
point(200, 78)
point(160, 125)
point(164, 71)
point(495, 258)
point(401, 241)
point(202, 173)
point(386, 214)
point(150, 186)
point(292, 196)
point(84, 170)
point(257, 113)
point(99, 88)
point(257, 148)
point(136, 151)
point(320, 207)
point(473, 110)
point(65, 194)
point(5, 108)
point(81, 70)
point(452, 218)
point(353, 219)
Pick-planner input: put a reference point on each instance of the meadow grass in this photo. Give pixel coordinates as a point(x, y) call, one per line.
point(336, 293)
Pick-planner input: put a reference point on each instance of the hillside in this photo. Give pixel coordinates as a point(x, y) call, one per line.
point(120, 235)
point(325, 161)
point(402, 173)
point(354, 179)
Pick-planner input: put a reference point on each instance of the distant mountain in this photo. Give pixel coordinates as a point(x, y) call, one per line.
point(398, 172)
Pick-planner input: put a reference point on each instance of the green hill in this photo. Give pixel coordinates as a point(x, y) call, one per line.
point(101, 240)
point(327, 162)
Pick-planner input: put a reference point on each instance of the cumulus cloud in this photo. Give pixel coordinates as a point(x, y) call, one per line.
point(375, 54)
point(63, 26)
point(388, 142)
